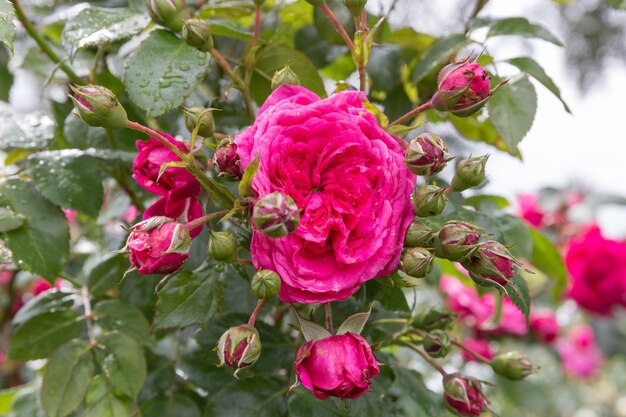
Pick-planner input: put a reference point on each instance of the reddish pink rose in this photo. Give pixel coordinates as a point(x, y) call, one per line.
point(530, 211)
point(340, 366)
point(597, 268)
point(480, 346)
point(463, 395)
point(462, 88)
point(147, 165)
point(468, 73)
point(39, 285)
point(158, 246)
point(544, 325)
point(183, 210)
point(579, 353)
point(491, 262)
point(347, 177)
point(5, 277)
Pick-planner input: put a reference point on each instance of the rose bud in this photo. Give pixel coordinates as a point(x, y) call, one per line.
point(239, 347)
point(265, 284)
point(98, 106)
point(340, 366)
point(463, 89)
point(418, 234)
point(417, 262)
point(285, 76)
point(470, 172)
point(492, 263)
point(355, 6)
point(202, 116)
point(427, 154)
point(222, 246)
point(158, 245)
point(429, 200)
point(432, 319)
point(463, 395)
point(544, 326)
point(227, 160)
point(512, 365)
point(276, 215)
point(168, 13)
point(437, 343)
point(197, 33)
point(458, 240)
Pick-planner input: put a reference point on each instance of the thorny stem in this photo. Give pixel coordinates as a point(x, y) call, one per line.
point(239, 83)
point(328, 312)
point(412, 113)
point(427, 358)
point(476, 355)
point(84, 292)
point(257, 27)
point(329, 13)
point(41, 42)
point(257, 310)
point(204, 219)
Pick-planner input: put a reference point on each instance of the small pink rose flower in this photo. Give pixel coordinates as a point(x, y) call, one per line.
point(183, 210)
point(340, 366)
point(530, 211)
point(579, 353)
point(544, 325)
point(480, 346)
point(463, 88)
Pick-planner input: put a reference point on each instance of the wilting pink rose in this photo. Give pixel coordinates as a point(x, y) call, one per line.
point(158, 246)
point(183, 210)
point(147, 165)
point(544, 325)
point(530, 210)
point(347, 177)
point(339, 366)
point(597, 268)
point(480, 346)
point(579, 353)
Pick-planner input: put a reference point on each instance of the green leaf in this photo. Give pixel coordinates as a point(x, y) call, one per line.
point(97, 26)
point(517, 291)
point(229, 29)
point(437, 54)
point(117, 315)
point(354, 323)
point(532, 68)
point(177, 405)
point(547, 259)
point(311, 330)
point(10, 220)
point(42, 244)
point(25, 131)
point(245, 184)
point(272, 59)
point(104, 272)
point(479, 131)
point(303, 404)
point(26, 403)
point(7, 28)
point(68, 179)
point(512, 110)
point(6, 77)
point(65, 381)
point(522, 27)
point(415, 396)
point(46, 302)
point(190, 298)
point(163, 71)
point(43, 334)
point(387, 294)
point(124, 363)
point(101, 402)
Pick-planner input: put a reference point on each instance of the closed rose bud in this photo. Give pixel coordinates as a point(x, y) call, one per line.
point(512, 365)
point(98, 106)
point(276, 215)
point(227, 160)
point(265, 284)
point(316, 3)
point(433, 318)
point(197, 33)
point(158, 245)
point(222, 246)
point(285, 76)
point(355, 6)
point(427, 154)
point(429, 200)
point(169, 13)
point(417, 262)
point(201, 116)
point(437, 343)
point(463, 88)
point(463, 395)
point(239, 347)
point(492, 263)
point(458, 240)
point(418, 234)
point(470, 172)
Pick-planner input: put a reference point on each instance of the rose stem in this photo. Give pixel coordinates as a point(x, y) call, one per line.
point(84, 292)
point(32, 31)
point(412, 113)
point(204, 219)
point(427, 358)
point(328, 312)
point(257, 27)
point(239, 83)
point(244, 262)
point(259, 306)
point(337, 25)
point(475, 354)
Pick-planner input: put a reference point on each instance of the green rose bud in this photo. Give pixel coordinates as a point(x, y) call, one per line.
point(470, 172)
point(417, 262)
point(433, 318)
point(99, 107)
point(429, 200)
point(202, 116)
point(168, 13)
point(265, 284)
point(458, 240)
point(418, 234)
point(512, 365)
point(437, 343)
point(197, 33)
point(222, 246)
point(239, 347)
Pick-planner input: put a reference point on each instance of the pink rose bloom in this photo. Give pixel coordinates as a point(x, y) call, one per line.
point(40, 285)
point(130, 214)
point(597, 268)
point(544, 325)
point(147, 165)
point(530, 211)
point(480, 346)
point(579, 353)
point(158, 247)
point(512, 321)
point(183, 210)
point(347, 177)
point(340, 366)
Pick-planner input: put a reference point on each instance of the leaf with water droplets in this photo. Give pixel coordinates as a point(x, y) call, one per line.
point(10, 220)
point(7, 27)
point(163, 72)
point(25, 131)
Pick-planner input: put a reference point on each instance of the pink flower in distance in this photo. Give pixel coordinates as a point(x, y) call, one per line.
point(347, 177)
point(544, 325)
point(480, 346)
point(340, 366)
point(579, 353)
point(530, 211)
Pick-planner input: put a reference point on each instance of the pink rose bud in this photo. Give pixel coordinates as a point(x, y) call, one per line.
point(544, 326)
point(197, 33)
point(175, 206)
point(158, 245)
point(530, 210)
point(427, 154)
point(417, 262)
point(429, 200)
point(492, 263)
point(199, 117)
point(227, 160)
point(265, 284)
point(418, 235)
point(285, 76)
point(437, 343)
point(470, 172)
point(169, 13)
point(463, 395)
point(355, 6)
point(463, 88)
point(479, 346)
point(239, 347)
point(433, 318)
point(276, 215)
point(340, 366)
point(512, 365)
point(458, 240)
point(222, 246)
point(99, 107)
